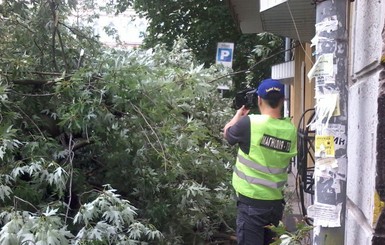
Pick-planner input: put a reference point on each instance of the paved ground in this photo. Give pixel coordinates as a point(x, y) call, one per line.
point(294, 213)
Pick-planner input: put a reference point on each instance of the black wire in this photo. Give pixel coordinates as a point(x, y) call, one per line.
point(315, 2)
point(253, 66)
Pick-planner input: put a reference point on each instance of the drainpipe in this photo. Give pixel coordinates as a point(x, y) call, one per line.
point(286, 105)
point(330, 123)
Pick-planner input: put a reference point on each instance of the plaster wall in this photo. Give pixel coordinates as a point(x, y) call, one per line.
point(362, 127)
point(365, 49)
point(366, 34)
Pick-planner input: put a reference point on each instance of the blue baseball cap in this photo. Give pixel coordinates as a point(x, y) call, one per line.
point(270, 85)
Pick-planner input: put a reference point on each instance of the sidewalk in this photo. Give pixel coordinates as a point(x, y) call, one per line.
point(293, 212)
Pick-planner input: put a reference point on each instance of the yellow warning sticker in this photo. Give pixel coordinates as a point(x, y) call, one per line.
point(378, 207)
point(324, 146)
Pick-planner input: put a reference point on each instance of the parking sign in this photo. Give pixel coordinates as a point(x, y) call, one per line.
point(225, 54)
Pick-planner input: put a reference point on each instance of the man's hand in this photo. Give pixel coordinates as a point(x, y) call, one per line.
point(243, 111)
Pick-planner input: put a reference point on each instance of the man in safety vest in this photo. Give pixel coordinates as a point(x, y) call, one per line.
point(267, 142)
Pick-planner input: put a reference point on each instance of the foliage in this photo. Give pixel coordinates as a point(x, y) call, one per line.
point(109, 218)
point(266, 52)
point(78, 118)
point(302, 235)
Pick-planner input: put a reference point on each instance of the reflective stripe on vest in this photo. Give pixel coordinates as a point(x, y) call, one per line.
point(258, 181)
point(259, 167)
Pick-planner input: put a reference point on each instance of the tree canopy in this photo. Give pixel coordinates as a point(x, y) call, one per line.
point(203, 24)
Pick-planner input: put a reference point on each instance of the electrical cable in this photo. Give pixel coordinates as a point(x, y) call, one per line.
point(297, 32)
point(273, 55)
point(253, 66)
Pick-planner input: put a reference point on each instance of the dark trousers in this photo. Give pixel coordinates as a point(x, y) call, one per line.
point(252, 219)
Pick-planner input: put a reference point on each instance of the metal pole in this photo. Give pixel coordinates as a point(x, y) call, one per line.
point(331, 130)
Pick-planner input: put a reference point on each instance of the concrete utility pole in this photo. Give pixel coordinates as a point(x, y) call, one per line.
point(330, 73)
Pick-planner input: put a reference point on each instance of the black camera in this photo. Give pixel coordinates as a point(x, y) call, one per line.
point(247, 97)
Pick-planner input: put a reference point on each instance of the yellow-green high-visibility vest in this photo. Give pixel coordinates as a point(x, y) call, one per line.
point(262, 173)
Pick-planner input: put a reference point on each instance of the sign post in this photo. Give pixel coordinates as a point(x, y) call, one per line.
point(225, 53)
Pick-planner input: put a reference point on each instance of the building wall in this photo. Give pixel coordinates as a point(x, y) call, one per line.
point(367, 24)
point(309, 92)
point(302, 90)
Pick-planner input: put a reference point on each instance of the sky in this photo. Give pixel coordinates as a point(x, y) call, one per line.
point(128, 26)
point(128, 29)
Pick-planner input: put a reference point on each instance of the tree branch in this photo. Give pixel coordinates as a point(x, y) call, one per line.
point(40, 73)
point(43, 82)
point(55, 21)
point(31, 82)
point(43, 73)
point(81, 143)
point(62, 49)
point(32, 121)
point(25, 26)
point(77, 32)
point(152, 129)
point(33, 95)
point(41, 52)
point(16, 198)
point(40, 82)
point(70, 159)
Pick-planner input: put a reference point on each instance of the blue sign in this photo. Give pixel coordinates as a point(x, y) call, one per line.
point(224, 55)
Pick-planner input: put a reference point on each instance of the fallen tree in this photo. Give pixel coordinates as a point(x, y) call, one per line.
point(106, 145)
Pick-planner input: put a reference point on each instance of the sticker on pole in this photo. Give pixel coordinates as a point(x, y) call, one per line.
point(225, 54)
point(323, 67)
point(324, 146)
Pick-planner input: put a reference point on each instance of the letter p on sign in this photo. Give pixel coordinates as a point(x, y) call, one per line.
point(224, 54)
